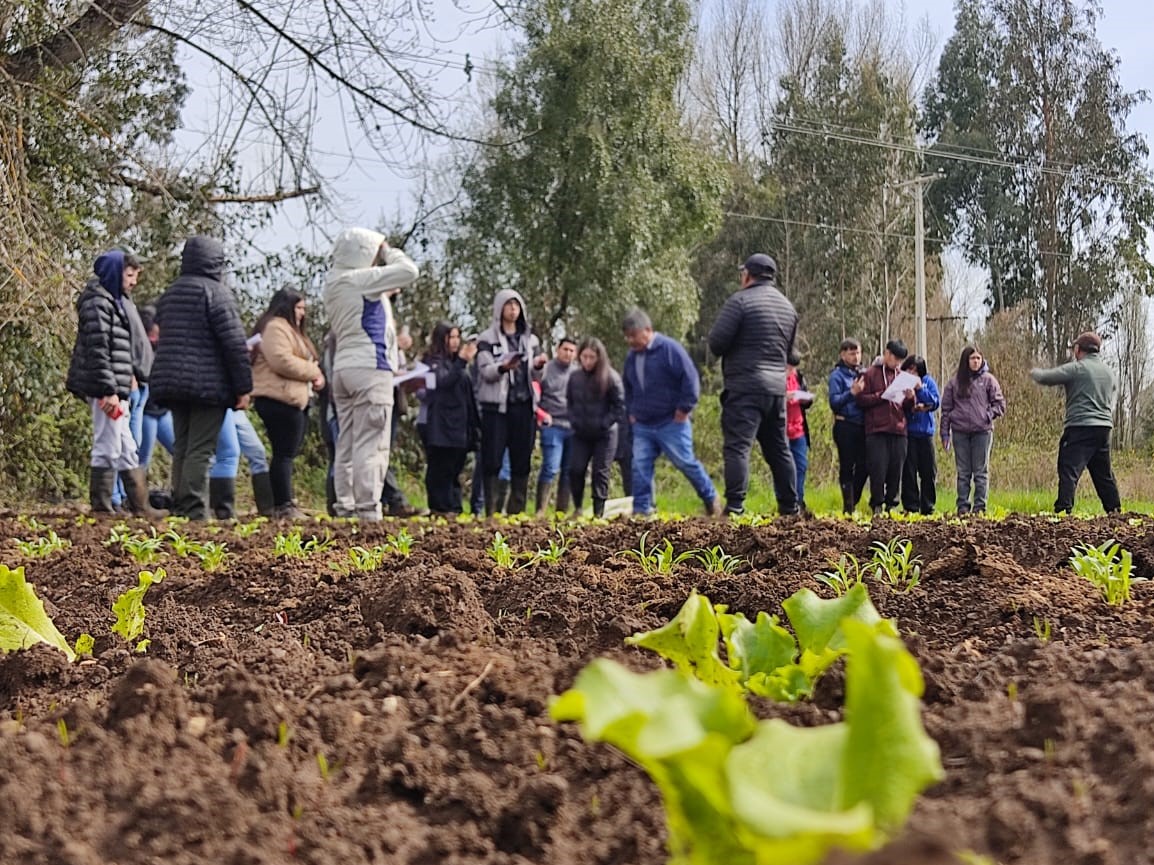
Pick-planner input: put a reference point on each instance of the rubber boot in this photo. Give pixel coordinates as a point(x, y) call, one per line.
point(518, 494)
point(564, 495)
point(222, 497)
point(500, 496)
point(847, 502)
point(544, 493)
point(491, 483)
point(136, 494)
point(330, 495)
point(262, 494)
point(100, 484)
point(598, 507)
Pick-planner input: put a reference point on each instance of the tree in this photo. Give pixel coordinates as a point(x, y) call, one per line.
point(599, 194)
point(1043, 185)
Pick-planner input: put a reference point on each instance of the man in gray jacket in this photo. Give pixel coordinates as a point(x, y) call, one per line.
point(1091, 392)
point(753, 335)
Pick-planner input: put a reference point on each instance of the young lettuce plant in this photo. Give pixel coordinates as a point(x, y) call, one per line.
point(658, 559)
point(212, 555)
point(400, 544)
point(716, 561)
point(144, 550)
point(895, 563)
point(129, 608)
point(843, 575)
point(23, 621)
point(41, 547)
point(1108, 566)
point(746, 792)
point(501, 553)
point(552, 554)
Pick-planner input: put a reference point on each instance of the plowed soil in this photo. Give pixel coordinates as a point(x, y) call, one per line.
point(288, 712)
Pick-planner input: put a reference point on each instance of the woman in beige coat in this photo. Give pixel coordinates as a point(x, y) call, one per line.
point(285, 371)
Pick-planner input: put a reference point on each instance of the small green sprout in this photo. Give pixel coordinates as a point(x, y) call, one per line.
point(366, 559)
point(1042, 629)
point(658, 559)
point(144, 550)
point(552, 554)
point(894, 563)
point(245, 530)
point(41, 547)
point(62, 732)
point(716, 561)
point(1108, 566)
point(843, 574)
point(401, 543)
point(501, 553)
point(212, 555)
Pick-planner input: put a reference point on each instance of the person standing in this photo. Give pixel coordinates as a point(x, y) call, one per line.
point(286, 371)
point(797, 403)
point(201, 368)
point(102, 373)
point(662, 388)
point(142, 354)
point(885, 426)
point(971, 403)
point(596, 399)
point(364, 274)
point(753, 335)
point(509, 357)
point(393, 498)
point(848, 424)
point(556, 433)
point(920, 472)
point(1091, 393)
point(449, 424)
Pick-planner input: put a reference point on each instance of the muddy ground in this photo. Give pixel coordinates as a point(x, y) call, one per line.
point(286, 712)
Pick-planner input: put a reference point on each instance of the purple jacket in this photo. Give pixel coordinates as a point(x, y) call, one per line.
point(976, 411)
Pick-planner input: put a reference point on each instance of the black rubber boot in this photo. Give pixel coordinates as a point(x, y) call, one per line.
point(100, 484)
point(518, 494)
point(598, 507)
point(544, 493)
point(564, 495)
point(262, 494)
point(136, 493)
point(500, 496)
point(847, 502)
point(491, 483)
point(222, 497)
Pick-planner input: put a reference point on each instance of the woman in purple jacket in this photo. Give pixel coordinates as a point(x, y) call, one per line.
point(971, 403)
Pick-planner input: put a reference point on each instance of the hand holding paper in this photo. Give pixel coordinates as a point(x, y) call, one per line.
point(896, 392)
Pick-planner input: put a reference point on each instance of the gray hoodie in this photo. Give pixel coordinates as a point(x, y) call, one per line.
point(493, 348)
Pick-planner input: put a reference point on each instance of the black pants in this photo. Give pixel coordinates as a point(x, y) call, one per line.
point(746, 417)
point(885, 456)
point(1086, 447)
point(285, 426)
point(601, 452)
point(514, 429)
point(920, 476)
point(624, 457)
point(195, 428)
point(443, 467)
point(853, 469)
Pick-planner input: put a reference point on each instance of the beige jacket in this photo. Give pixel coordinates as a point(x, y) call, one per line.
point(285, 366)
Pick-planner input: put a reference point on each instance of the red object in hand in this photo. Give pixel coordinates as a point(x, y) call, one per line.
point(117, 412)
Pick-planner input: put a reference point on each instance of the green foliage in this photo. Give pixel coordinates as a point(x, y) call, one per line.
point(245, 530)
point(501, 553)
point(365, 558)
point(765, 793)
point(597, 187)
point(846, 573)
point(85, 644)
point(129, 607)
point(894, 563)
point(762, 657)
point(1108, 566)
point(145, 550)
point(401, 543)
point(553, 554)
point(38, 548)
point(23, 621)
point(658, 559)
point(212, 555)
point(717, 561)
point(294, 546)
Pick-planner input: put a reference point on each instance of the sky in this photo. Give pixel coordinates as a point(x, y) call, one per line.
point(367, 190)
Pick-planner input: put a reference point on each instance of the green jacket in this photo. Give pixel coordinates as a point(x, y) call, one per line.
point(1091, 390)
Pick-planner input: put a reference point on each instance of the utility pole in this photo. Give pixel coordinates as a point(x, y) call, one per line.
point(941, 320)
point(920, 184)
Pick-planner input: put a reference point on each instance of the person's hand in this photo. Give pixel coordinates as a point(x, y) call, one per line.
point(946, 442)
point(910, 393)
point(540, 360)
point(791, 396)
point(632, 419)
point(511, 362)
point(467, 352)
point(546, 419)
point(110, 405)
point(319, 382)
point(242, 401)
point(404, 340)
point(858, 385)
point(680, 416)
point(135, 384)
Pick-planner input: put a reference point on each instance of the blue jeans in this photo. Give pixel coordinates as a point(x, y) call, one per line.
point(155, 429)
point(554, 452)
point(136, 401)
point(237, 437)
point(800, 449)
point(675, 441)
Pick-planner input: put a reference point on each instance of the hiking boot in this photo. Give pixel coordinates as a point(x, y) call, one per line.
point(289, 513)
point(404, 510)
point(136, 493)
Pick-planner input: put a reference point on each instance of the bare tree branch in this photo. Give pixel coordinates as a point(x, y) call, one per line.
point(71, 43)
point(179, 192)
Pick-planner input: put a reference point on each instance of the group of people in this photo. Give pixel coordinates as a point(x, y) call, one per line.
point(191, 368)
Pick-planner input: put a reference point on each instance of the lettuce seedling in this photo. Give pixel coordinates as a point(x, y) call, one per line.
point(41, 547)
point(23, 621)
point(744, 792)
point(129, 607)
point(1108, 566)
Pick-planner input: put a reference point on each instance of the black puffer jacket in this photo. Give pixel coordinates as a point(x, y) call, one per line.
point(201, 356)
point(591, 413)
point(102, 357)
point(753, 335)
point(452, 418)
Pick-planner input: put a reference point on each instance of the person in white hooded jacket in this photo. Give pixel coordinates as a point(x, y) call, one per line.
point(365, 272)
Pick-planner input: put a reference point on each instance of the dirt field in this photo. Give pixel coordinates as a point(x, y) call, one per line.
point(286, 712)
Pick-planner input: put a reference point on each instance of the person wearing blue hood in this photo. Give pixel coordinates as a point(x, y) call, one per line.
point(102, 373)
point(201, 368)
point(920, 472)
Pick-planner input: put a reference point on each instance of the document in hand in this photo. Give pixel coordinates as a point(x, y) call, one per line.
point(896, 392)
point(416, 378)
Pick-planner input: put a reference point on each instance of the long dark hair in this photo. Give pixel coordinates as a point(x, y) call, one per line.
point(600, 372)
point(283, 304)
point(439, 340)
point(965, 375)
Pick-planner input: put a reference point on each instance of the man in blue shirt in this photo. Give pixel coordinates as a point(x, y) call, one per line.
point(661, 390)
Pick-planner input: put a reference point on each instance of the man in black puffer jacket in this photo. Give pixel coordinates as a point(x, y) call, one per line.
point(201, 369)
point(101, 373)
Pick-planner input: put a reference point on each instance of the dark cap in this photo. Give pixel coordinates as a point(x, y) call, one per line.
point(760, 264)
point(1089, 342)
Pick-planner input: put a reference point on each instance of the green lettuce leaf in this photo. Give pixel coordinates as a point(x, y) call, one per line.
point(129, 607)
point(690, 641)
point(23, 622)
